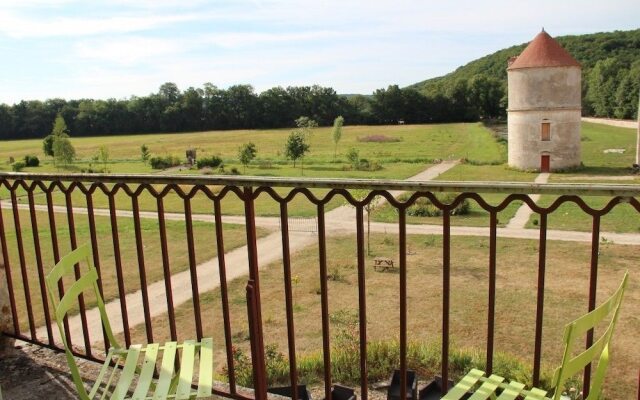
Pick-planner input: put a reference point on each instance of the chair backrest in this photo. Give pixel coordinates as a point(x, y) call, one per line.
point(87, 283)
point(574, 333)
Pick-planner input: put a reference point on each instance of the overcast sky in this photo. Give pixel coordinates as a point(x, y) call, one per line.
point(117, 48)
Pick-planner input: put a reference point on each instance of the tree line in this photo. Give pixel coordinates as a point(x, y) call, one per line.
point(611, 81)
point(240, 107)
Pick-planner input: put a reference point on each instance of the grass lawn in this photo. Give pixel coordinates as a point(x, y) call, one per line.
point(230, 206)
point(569, 216)
point(596, 138)
point(415, 142)
point(204, 235)
point(565, 298)
point(477, 216)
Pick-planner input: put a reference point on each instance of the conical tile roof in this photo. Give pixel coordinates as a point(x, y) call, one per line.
point(544, 51)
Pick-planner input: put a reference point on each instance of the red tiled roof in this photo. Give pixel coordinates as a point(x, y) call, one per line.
point(544, 51)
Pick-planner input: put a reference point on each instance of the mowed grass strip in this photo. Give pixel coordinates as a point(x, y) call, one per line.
point(566, 298)
point(477, 216)
point(172, 202)
point(204, 240)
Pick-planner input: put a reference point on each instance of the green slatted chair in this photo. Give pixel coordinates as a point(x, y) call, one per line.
point(494, 386)
point(129, 373)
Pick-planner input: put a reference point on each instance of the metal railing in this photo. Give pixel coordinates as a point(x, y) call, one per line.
point(43, 193)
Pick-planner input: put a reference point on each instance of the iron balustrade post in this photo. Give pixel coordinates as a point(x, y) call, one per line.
point(96, 255)
point(491, 312)
point(402, 232)
point(166, 268)
point(119, 273)
point(446, 294)
point(222, 270)
point(74, 245)
point(254, 276)
point(23, 263)
point(6, 268)
point(39, 265)
point(542, 255)
point(362, 303)
point(288, 298)
point(193, 267)
point(593, 286)
point(135, 207)
point(56, 255)
point(324, 300)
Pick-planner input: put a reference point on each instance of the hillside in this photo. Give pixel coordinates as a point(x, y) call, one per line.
point(610, 67)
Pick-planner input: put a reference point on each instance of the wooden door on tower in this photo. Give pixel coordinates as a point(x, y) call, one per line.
point(545, 163)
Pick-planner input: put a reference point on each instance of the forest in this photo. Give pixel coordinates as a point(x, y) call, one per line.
point(611, 83)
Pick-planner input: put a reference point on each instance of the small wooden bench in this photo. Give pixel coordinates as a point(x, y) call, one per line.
point(383, 264)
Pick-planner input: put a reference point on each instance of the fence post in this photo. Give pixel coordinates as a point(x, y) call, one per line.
point(6, 322)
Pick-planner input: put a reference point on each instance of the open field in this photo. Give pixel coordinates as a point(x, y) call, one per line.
point(418, 146)
point(416, 143)
point(596, 138)
point(566, 297)
point(204, 238)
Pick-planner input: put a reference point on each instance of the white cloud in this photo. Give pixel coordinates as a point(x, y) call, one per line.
point(239, 39)
point(17, 26)
point(127, 50)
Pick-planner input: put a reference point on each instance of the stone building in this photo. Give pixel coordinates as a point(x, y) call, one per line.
point(544, 107)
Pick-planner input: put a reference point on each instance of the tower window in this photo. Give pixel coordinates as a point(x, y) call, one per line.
point(545, 132)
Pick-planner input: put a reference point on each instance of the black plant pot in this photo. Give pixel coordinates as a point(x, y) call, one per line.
point(287, 391)
point(342, 393)
point(393, 393)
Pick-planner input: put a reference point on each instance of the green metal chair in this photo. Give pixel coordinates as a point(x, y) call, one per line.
point(121, 376)
point(574, 333)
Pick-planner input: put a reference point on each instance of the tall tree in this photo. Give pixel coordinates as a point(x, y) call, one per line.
point(59, 130)
point(296, 146)
point(246, 153)
point(336, 134)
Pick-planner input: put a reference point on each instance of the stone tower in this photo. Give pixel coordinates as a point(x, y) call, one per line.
point(544, 107)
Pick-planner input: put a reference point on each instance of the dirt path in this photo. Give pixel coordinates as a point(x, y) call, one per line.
point(521, 216)
point(622, 123)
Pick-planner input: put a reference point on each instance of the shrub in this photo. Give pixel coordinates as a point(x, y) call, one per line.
point(18, 166)
point(210, 162)
point(423, 207)
point(31, 161)
point(164, 162)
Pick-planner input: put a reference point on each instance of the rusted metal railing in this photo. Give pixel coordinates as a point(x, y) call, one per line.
point(44, 188)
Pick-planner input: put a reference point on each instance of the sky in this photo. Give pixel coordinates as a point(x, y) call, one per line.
point(114, 49)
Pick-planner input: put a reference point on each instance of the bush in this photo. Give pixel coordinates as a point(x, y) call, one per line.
point(31, 161)
point(423, 207)
point(18, 166)
point(164, 162)
point(210, 162)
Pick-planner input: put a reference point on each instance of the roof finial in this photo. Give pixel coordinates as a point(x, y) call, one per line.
point(543, 29)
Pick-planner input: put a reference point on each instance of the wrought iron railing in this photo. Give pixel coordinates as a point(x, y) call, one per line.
point(34, 196)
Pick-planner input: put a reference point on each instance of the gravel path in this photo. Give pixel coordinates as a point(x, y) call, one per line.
point(521, 216)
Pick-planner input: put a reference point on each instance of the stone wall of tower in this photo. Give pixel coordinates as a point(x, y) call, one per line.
point(544, 95)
